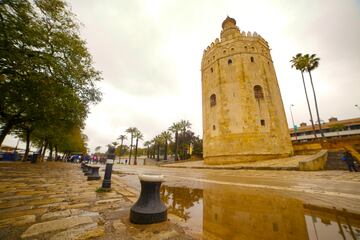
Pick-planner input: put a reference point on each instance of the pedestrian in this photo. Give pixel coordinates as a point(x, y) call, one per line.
point(349, 160)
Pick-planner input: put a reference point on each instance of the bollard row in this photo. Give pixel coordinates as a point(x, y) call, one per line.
point(92, 172)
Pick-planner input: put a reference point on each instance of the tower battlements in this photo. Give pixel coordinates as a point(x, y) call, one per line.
point(233, 41)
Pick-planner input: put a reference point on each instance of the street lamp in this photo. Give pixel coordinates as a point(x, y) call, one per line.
point(292, 118)
point(357, 106)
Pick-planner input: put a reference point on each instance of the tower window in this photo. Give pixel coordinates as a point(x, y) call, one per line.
point(224, 51)
point(232, 49)
point(262, 122)
point(211, 70)
point(214, 57)
point(252, 48)
point(258, 92)
point(212, 100)
point(229, 61)
point(214, 127)
point(245, 47)
point(252, 59)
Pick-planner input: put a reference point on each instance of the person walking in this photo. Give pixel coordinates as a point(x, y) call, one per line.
point(349, 160)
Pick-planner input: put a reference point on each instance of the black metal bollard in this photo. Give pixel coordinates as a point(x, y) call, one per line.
point(94, 175)
point(106, 184)
point(87, 170)
point(149, 207)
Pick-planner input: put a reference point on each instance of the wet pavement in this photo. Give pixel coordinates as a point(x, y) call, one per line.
point(54, 201)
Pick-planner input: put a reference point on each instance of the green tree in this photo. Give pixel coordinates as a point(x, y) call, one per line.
point(131, 131)
point(166, 138)
point(176, 128)
point(46, 74)
point(121, 138)
point(147, 144)
point(299, 63)
point(157, 143)
point(138, 136)
point(312, 62)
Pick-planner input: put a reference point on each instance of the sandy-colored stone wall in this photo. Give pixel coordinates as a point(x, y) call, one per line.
point(240, 125)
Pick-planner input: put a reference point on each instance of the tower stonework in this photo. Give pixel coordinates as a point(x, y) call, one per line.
point(243, 113)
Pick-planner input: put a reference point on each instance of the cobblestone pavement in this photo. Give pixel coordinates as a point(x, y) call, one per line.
point(55, 201)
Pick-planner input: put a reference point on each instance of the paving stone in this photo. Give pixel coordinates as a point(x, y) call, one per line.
point(109, 201)
point(55, 225)
point(74, 233)
point(18, 221)
point(67, 213)
point(95, 233)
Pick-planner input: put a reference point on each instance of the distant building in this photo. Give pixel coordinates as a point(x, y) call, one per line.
point(243, 113)
point(331, 129)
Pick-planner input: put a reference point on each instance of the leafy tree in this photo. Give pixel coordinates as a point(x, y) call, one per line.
point(137, 135)
point(157, 143)
point(46, 76)
point(176, 128)
point(299, 63)
point(131, 131)
point(147, 144)
point(121, 138)
point(166, 138)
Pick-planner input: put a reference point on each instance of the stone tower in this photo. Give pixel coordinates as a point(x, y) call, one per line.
point(243, 113)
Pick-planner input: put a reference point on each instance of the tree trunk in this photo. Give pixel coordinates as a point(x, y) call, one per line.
point(307, 100)
point(131, 143)
point(51, 152)
point(45, 147)
point(165, 154)
point(136, 146)
point(158, 152)
point(316, 107)
point(27, 149)
point(176, 146)
point(56, 153)
point(147, 152)
point(5, 130)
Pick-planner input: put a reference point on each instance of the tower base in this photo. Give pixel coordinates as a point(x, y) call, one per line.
point(231, 159)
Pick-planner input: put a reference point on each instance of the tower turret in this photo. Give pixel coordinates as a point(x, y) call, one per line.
point(243, 113)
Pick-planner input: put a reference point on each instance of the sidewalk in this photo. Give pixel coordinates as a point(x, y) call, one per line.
point(290, 163)
point(55, 201)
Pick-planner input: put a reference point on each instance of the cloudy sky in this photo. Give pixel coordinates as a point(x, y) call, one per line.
point(149, 53)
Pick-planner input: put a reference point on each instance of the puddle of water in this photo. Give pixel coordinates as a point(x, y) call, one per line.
point(235, 213)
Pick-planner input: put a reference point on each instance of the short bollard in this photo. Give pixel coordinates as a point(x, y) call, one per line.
point(87, 170)
point(149, 207)
point(94, 175)
point(106, 184)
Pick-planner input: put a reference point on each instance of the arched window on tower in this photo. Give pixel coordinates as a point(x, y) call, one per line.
point(252, 59)
point(258, 92)
point(229, 61)
point(212, 100)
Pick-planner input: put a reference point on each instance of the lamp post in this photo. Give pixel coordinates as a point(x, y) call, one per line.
point(292, 118)
point(357, 106)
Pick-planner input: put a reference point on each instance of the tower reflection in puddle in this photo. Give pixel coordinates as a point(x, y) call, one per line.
point(228, 212)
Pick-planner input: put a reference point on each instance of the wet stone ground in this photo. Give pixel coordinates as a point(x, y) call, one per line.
point(55, 201)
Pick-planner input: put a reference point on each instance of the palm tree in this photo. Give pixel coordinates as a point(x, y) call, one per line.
point(175, 128)
point(131, 131)
point(147, 145)
point(185, 125)
point(312, 62)
point(299, 64)
point(121, 138)
point(166, 137)
point(97, 149)
point(157, 141)
point(137, 135)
